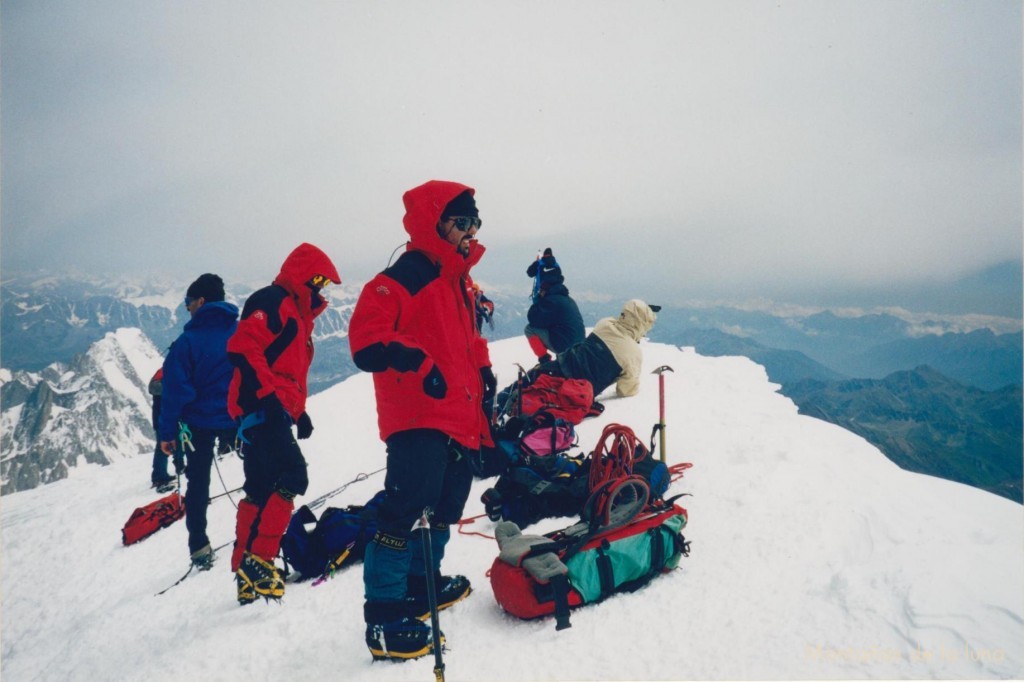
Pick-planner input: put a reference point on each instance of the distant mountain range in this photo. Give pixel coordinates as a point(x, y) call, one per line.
point(46, 320)
point(958, 406)
point(962, 423)
point(926, 422)
point(984, 352)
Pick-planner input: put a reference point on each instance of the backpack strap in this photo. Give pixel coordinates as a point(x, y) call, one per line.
point(560, 584)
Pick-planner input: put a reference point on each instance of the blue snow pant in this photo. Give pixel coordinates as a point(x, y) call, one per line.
point(426, 468)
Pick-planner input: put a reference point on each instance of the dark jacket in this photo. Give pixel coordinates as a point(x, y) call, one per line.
point(590, 360)
point(196, 372)
point(556, 312)
point(273, 346)
point(419, 314)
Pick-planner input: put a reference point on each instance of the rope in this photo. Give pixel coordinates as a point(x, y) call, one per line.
point(614, 459)
point(472, 519)
point(676, 471)
point(326, 496)
point(225, 485)
point(616, 495)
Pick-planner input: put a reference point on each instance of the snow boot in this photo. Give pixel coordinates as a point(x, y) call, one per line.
point(449, 590)
point(257, 577)
point(166, 486)
point(392, 635)
point(203, 558)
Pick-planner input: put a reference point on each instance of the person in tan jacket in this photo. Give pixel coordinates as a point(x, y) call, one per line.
point(622, 337)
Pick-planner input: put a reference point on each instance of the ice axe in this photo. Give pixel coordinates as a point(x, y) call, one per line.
point(423, 527)
point(661, 404)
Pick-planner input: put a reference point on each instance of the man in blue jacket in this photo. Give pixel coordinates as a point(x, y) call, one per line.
point(194, 413)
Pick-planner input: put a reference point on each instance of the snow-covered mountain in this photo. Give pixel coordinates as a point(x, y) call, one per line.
point(95, 409)
point(813, 557)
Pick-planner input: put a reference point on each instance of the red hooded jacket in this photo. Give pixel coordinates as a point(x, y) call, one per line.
point(272, 348)
point(419, 314)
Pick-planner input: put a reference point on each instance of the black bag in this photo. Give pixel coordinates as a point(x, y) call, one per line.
point(314, 548)
point(538, 488)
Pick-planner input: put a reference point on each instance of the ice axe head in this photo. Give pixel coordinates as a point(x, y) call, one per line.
point(663, 369)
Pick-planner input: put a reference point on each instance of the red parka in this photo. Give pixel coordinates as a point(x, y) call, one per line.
point(272, 348)
point(418, 314)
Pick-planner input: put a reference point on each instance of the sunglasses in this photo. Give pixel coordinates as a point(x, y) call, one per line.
point(189, 301)
point(464, 223)
point(319, 281)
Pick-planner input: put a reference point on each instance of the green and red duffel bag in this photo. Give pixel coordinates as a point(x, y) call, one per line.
point(541, 575)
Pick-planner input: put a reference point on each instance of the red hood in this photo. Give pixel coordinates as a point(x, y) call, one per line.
point(423, 207)
point(301, 265)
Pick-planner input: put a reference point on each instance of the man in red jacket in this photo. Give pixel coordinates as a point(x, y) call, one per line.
point(414, 327)
point(271, 352)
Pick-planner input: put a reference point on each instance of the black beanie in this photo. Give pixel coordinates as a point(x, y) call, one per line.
point(547, 252)
point(462, 205)
point(208, 286)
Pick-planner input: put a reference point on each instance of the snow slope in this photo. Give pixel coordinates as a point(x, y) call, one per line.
point(813, 557)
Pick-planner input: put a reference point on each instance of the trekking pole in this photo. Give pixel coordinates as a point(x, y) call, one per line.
point(423, 526)
point(661, 404)
point(494, 403)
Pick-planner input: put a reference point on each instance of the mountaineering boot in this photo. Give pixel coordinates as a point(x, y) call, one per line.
point(394, 636)
point(166, 486)
point(203, 558)
point(258, 577)
point(449, 589)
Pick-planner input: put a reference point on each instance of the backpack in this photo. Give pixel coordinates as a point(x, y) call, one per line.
point(540, 575)
point(569, 399)
point(546, 434)
point(621, 471)
point(538, 488)
point(519, 438)
point(313, 548)
point(147, 520)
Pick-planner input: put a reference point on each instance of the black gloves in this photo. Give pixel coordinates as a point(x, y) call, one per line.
point(404, 359)
point(490, 386)
point(272, 408)
point(434, 384)
point(179, 461)
point(304, 426)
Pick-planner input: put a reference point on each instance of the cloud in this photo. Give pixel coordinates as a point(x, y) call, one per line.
point(842, 144)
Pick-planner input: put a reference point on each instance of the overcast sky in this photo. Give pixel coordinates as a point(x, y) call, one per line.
point(698, 148)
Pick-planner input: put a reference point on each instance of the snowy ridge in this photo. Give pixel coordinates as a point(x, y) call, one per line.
point(813, 557)
point(96, 410)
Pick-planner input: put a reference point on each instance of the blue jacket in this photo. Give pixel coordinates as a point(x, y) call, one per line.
point(197, 372)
